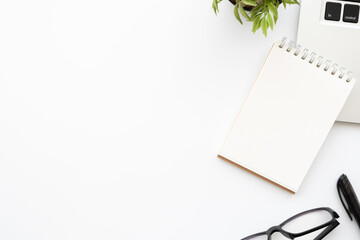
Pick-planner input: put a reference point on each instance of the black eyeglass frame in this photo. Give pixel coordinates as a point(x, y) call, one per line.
point(330, 225)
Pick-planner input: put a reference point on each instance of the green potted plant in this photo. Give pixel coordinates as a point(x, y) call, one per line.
point(262, 13)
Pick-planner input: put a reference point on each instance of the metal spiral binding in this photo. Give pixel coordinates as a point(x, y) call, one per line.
point(319, 60)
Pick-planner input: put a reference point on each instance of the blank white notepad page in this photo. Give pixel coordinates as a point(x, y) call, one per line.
point(286, 117)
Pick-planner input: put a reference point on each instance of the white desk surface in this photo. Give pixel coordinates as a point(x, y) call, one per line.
point(112, 113)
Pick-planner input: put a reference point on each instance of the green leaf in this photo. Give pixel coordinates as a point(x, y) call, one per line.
point(256, 10)
point(253, 15)
point(243, 12)
point(215, 6)
point(249, 2)
point(256, 23)
point(273, 10)
point(236, 13)
point(270, 21)
point(290, 1)
point(264, 26)
point(275, 19)
point(277, 3)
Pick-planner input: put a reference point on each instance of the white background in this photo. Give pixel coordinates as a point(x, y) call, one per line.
point(112, 113)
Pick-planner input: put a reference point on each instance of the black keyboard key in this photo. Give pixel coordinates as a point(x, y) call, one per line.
point(351, 13)
point(333, 11)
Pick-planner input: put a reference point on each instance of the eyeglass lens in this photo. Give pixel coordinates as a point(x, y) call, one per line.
point(308, 221)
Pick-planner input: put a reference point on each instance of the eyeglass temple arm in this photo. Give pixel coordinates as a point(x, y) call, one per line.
point(327, 230)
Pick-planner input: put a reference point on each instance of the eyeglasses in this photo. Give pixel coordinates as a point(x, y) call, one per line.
point(302, 224)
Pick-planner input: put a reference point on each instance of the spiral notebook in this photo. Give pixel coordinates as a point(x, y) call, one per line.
point(287, 115)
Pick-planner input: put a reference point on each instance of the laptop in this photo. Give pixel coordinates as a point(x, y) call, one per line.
point(332, 28)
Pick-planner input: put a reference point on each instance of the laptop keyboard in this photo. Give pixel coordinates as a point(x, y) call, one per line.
point(346, 12)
